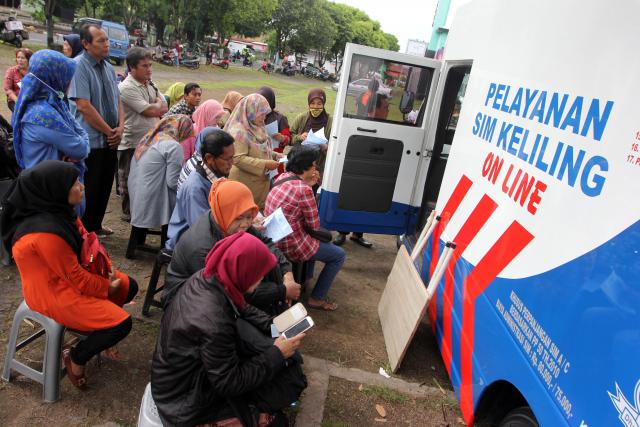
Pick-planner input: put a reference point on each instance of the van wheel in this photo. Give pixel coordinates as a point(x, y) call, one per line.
point(118, 62)
point(520, 417)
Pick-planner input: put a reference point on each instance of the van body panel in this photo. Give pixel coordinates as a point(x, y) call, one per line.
point(540, 195)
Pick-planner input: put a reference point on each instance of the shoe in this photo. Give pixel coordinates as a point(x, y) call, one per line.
point(104, 232)
point(361, 241)
point(339, 241)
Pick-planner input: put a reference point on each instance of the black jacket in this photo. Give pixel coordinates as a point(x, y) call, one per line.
point(199, 362)
point(192, 249)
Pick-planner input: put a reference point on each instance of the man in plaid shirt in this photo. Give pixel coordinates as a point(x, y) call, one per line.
point(294, 194)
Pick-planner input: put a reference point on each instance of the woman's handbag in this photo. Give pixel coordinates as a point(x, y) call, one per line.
point(93, 255)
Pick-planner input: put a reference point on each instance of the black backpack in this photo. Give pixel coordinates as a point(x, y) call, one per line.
point(9, 168)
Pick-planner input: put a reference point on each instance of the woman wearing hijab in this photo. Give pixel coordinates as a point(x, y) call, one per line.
point(229, 102)
point(155, 166)
point(211, 365)
point(174, 94)
point(254, 159)
point(72, 46)
point(232, 210)
point(313, 120)
point(43, 126)
point(40, 225)
point(282, 137)
point(14, 76)
point(206, 115)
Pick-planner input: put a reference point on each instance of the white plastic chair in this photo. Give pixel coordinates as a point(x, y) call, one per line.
point(148, 416)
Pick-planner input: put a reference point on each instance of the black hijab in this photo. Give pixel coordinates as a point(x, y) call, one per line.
point(274, 115)
point(316, 123)
point(37, 202)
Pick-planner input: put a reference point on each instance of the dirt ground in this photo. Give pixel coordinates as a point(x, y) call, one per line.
point(357, 405)
point(351, 337)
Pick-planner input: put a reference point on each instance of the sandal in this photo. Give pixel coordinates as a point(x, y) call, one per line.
point(80, 381)
point(325, 306)
point(114, 354)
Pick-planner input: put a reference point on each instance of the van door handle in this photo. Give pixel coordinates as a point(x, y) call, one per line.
point(366, 130)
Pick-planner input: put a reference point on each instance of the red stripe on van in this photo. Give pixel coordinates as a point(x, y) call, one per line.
point(450, 208)
point(476, 220)
point(506, 248)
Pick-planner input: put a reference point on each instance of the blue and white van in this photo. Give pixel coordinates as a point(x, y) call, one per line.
point(117, 33)
point(525, 141)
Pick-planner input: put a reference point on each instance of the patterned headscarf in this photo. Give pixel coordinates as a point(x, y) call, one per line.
point(241, 125)
point(177, 127)
point(41, 100)
point(207, 114)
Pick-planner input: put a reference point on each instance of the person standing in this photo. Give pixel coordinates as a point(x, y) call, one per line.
point(95, 101)
point(14, 75)
point(143, 106)
point(188, 104)
point(72, 46)
point(254, 158)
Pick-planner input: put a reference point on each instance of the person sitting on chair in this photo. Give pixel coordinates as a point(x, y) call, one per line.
point(214, 361)
point(216, 152)
point(232, 210)
point(40, 225)
point(293, 192)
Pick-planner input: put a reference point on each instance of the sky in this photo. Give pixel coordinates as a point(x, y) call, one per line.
point(405, 19)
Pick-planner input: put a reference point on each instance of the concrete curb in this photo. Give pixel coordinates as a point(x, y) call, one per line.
point(318, 372)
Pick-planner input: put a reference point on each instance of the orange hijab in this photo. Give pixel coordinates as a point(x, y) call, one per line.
point(228, 200)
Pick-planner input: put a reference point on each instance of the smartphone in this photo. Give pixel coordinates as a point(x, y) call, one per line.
point(290, 317)
point(298, 328)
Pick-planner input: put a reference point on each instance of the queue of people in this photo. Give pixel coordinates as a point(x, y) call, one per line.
point(205, 173)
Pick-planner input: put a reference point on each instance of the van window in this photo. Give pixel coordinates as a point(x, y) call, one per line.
point(386, 91)
point(116, 33)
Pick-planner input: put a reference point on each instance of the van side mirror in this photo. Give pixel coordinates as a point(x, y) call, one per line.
point(406, 102)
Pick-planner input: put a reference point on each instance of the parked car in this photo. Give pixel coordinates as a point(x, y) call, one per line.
point(12, 31)
point(117, 33)
point(358, 87)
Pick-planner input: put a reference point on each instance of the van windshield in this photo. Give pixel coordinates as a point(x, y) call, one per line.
point(116, 33)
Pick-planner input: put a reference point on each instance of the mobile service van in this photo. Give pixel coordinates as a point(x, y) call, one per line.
point(524, 140)
point(117, 33)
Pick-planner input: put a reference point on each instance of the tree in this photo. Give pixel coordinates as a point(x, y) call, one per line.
point(44, 10)
point(316, 31)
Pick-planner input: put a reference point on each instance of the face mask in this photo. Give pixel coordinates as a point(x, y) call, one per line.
point(315, 112)
point(58, 93)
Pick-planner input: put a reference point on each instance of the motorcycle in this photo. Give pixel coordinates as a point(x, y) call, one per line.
point(13, 32)
point(222, 63)
point(266, 66)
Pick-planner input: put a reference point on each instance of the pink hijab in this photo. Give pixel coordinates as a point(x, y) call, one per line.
point(207, 114)
point(238, 262)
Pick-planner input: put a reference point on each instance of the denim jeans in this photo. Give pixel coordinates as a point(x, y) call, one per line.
point(333, 257)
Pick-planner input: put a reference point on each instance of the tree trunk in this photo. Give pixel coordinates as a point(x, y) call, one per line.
point(49, 7)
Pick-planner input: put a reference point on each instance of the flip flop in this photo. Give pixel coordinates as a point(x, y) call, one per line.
point(325, 306)
point(80, 381)
point(114, 354)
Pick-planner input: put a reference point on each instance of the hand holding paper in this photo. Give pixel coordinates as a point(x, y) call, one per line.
point(276, 226)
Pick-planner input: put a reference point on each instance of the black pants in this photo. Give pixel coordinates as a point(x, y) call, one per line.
point(98, 180)
point(106, 338)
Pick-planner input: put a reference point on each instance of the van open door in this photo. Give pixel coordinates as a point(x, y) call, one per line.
point(377, 141)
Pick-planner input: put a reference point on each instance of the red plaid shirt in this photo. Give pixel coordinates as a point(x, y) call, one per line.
point(299, 207)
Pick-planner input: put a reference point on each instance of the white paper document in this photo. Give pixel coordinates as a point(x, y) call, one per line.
point(272, 129)
point(276, 226)
point(315, 138)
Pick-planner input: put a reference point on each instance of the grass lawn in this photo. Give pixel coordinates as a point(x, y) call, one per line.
point(291, 92)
